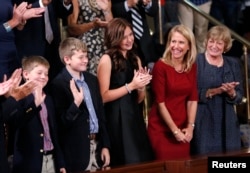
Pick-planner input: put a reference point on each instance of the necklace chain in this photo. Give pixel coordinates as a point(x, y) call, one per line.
point(211, 63)
point(181, 70)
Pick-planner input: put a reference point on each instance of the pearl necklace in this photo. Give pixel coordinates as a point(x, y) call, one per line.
point(217, 64)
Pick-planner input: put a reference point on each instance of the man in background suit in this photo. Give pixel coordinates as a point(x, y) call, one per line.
point(31, 40)
point(122, 8)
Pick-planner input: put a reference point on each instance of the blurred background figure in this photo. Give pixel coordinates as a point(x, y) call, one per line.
point(135, 12)
point(228, 13)
point(165, 19)
point(245, 19)
point(88, 22)
point(41, 36)
point(196, 22)
point(11, 18)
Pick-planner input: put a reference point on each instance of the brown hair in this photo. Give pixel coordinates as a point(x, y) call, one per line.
point(114, 35)
point(68, 45)
point(29, 63)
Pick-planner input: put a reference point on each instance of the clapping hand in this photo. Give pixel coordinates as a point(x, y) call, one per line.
point(5, 85)
point(18, 12)
point(99, 23)
point(33, 12)
point(77, 94)
point(19, 92)
point(141, 78)
point(229, 87)
point(145, 75)
point(39, 95)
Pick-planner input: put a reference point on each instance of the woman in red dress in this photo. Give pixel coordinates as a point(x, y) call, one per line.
point(172, 116)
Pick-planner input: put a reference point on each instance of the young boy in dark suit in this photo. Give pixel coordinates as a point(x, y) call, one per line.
point(36, 148)
point(79, 107)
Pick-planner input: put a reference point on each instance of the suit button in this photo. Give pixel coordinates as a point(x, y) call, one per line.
point(41, 150)
point(87, 120)
point(41, 134)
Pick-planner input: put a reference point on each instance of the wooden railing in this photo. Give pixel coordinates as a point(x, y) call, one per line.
point(197, 164)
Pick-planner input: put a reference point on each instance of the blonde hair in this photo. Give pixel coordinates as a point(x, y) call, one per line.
point(190, 56)
point(29, 63)
point(220, 32)
point(68, 45)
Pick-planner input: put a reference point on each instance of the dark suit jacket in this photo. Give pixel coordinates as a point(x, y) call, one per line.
point(74, 121)
point(31, 40)
point(28, 147)
point(4, 167)
point(146, 49)
point(3, 158)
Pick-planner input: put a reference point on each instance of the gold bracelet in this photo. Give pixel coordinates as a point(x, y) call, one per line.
point(176, 132)
point(192, 124)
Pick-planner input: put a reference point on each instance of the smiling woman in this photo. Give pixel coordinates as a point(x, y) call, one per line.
point(172, 116)
point(122, 81)
point(220, 87)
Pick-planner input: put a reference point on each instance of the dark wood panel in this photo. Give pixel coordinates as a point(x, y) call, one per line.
point(197, 164)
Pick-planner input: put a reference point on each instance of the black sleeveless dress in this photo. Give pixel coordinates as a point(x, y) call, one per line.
point(125, 124)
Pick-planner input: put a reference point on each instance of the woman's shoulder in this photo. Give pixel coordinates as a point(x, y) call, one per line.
point(200, 56)
point(161, 62)
point(231, 59)
point(160, 65)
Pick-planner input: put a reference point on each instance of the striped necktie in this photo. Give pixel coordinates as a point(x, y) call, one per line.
point(48, 29)
point(137, 22)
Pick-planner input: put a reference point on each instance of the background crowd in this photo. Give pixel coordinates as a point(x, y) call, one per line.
point(76, 103)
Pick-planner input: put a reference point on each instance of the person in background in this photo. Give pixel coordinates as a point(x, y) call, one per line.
point(195, 21)
point(220, 87)
point(36, 147)
point(122, 81)
point(11, 92)
point(11, 18)
point(41, 36)
point(143, 39)
point(174, 85)
point(83, 135)
point(87, 22)
point(168, 19)
point(245, 18)
point(227, 12)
